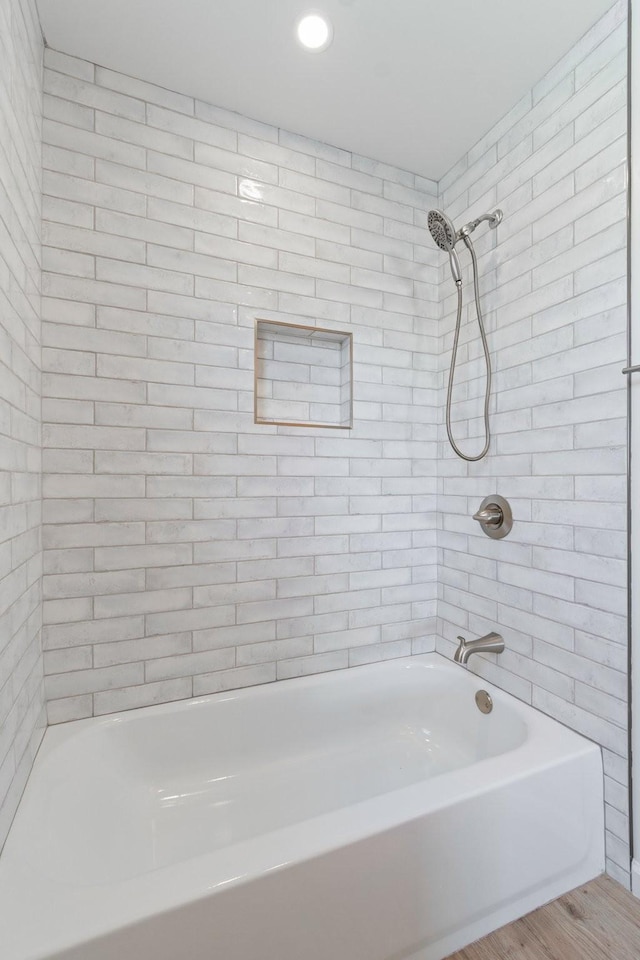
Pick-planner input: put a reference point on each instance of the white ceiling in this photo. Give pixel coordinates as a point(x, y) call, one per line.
point(414, 83)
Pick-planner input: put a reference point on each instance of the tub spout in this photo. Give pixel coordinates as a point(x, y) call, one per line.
point(491, 643)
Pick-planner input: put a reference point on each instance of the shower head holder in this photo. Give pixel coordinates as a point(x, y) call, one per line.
point(493, 219)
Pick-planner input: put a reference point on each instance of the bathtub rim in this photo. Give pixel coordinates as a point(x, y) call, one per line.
point(57, 734)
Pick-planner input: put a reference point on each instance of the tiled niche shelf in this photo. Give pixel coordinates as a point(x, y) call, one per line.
point(303, 376)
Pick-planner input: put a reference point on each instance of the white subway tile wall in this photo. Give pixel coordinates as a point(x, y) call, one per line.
point(188, 549)
point(22, 715)
point(554, 289)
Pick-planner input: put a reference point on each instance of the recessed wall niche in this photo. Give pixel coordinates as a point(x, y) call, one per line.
point(303, 376)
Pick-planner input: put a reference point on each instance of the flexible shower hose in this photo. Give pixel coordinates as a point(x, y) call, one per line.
point(452, 369)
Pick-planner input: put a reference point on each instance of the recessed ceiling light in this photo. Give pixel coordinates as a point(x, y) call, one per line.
point(314, 32)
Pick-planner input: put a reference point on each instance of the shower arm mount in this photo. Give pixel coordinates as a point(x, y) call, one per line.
point(493, 219)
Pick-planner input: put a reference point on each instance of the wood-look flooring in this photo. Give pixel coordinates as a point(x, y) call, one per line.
point(600, 921)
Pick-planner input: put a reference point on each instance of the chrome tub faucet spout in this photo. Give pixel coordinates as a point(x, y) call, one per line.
point(491, 643)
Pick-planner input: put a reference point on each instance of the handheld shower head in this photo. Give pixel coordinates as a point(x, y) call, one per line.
point(445, 237)
point(442, 230)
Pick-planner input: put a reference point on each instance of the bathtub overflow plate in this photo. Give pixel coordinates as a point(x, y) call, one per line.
point(484, 701)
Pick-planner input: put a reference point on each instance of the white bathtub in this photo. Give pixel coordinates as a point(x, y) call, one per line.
point(369, 814)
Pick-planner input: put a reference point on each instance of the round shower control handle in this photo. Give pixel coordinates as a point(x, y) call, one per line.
point(495, 517)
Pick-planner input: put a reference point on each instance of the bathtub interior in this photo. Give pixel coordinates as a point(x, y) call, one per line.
point(160, 786)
